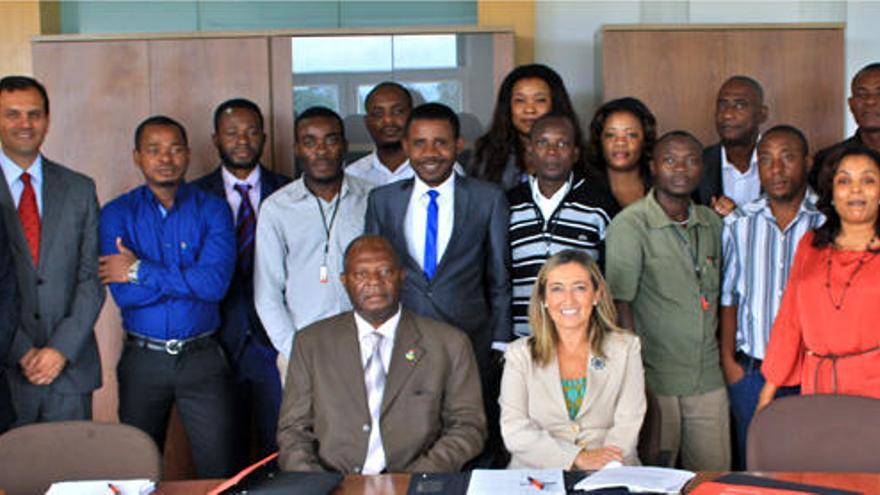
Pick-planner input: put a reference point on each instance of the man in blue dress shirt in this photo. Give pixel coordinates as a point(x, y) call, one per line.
point(168, 255)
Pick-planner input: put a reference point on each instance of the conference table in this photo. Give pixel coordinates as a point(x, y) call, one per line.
point(396, 484)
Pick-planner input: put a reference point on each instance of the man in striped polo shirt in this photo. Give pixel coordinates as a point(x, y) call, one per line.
point(759, 242)
point(558, 208)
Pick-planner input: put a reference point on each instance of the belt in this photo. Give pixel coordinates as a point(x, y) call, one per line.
point(834, 358)
point(172, 346)
point(752, 363)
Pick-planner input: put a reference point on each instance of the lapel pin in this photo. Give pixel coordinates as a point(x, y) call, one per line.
point(410, 355)
point(597, 363)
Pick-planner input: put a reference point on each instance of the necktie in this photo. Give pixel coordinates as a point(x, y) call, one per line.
point(430, 264)
point(245, 227)
point(30, 217)
point(374, 379)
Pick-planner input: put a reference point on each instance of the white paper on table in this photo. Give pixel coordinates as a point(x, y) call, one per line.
point(102, 487)
point(515, 482)
point(637, 479)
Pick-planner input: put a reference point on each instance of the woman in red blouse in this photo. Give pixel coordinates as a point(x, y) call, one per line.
point(825, 337)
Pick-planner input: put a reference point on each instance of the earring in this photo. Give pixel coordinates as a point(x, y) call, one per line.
point(595, 303)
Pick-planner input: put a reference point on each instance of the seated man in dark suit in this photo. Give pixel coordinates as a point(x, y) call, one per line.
point(730, 176)
point(379, 388)
point(864, 104)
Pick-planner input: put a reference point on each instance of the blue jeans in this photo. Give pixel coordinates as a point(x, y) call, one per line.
point(743, 401)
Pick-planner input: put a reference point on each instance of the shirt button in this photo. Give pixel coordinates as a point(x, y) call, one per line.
point(366, 427)
point(575, 428)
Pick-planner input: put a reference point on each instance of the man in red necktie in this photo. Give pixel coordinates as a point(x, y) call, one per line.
point(51, 217)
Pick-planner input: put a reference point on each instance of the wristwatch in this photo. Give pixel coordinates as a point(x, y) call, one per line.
point(133, 272)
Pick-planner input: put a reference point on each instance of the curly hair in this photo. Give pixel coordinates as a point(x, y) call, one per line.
point(828, 231)
point(635, 107)
point(492, 149)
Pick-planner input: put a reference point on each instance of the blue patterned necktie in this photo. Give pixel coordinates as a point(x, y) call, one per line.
point(430, 264)
point(245, 227)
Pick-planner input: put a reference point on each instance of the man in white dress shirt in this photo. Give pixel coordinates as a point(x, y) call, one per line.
point(388, 106)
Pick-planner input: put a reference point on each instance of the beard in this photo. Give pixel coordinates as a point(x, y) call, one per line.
point(390, 147)
point(228, 162)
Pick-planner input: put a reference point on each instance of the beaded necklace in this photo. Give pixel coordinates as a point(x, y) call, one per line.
point(868, 256)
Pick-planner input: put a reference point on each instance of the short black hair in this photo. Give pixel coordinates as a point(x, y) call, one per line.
point(370, 237)
point(874, 66)
point(790, 130)
point(236, 103)
point(677, 134)
point(434, 111)
point(159, 120)
point(751, 82)
point(388, 84)
point(558, 116)
point(22, 83)
point(318, 111)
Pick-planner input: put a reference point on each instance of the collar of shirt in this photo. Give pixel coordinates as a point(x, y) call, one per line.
point(761, 206)
point(545, 204)
point(388, 330)
point(183, 193)
point(229, 180)
point(446, 189)
point(404, 171)
point(13, 176)
point(299, 191)
point(753, 163)
point(657, 217)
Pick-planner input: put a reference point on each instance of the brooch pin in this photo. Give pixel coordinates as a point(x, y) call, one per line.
point(597, 363)
point(410, 355)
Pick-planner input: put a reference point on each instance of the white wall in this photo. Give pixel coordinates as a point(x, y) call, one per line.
point(568, 33)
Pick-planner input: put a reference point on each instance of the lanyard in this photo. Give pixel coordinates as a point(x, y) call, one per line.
point(694, 252)
point(323, 273)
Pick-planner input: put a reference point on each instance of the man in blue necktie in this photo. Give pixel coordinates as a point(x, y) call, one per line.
point(451, 232)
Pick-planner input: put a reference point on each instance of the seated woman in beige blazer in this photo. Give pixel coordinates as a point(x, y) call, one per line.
point(573, 393)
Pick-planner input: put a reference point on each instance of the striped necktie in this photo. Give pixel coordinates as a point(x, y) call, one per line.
point(245, 227)
point(374, 379)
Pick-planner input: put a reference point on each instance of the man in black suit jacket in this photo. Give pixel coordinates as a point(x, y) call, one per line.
point(739, 113)
point(864, 104)
point(458, 272)
point(239, 137)
point(8, 323)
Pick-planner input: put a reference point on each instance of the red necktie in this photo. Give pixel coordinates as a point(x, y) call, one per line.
point(30, 217)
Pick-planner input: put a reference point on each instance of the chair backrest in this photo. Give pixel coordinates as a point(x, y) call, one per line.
point(32, 457)
point(816, 433)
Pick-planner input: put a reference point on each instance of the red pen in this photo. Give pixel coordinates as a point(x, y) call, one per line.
point(537, 484)
point(114, 489)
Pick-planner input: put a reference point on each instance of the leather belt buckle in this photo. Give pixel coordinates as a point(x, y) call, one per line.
point(173, 347)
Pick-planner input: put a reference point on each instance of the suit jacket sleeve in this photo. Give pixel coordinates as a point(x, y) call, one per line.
point(270, 275)
point(464, 422)
point(297, 443)
point(523, 437)
point(8, 296)
point(497, 270)
point(76, 330)
point(629, 411)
